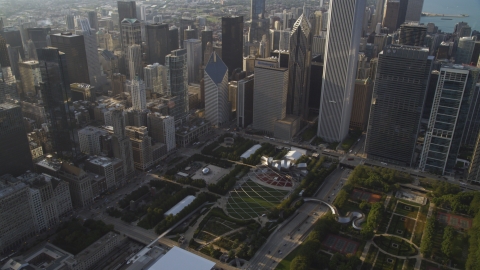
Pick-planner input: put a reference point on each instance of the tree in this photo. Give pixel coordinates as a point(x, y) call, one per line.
point(300, 263)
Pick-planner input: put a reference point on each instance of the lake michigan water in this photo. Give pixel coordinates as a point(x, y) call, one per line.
point(470, 7)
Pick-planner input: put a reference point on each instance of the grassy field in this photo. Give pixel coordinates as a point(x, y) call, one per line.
point(252, 200)
point(386, 262)
point(401, 226)
point(406, 210)
point(395, 246)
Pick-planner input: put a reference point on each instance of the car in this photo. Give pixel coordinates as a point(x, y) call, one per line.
point(263, 215)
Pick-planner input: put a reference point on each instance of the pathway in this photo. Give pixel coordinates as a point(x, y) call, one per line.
point(218, 237)
point(365, 250)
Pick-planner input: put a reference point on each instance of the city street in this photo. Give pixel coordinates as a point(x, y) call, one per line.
point(291, 233)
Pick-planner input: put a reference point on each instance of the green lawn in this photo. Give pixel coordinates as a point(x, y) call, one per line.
point(401, 226)
point(285, 263)
point(417, 235)
point(253, 200)
point(402, 248)
point(406, 210)
point(386, 262)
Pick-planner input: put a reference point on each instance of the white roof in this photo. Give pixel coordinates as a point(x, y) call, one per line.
point(293, 155)
point(179, 206)
point(182, 174)
point(178, 258)
point(250, 151)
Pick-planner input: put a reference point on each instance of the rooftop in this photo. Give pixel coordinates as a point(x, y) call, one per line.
point(179, 207)
point(178, 258)
point(250, 151)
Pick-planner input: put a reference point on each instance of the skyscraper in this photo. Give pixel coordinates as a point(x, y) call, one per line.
point(455, 87)
point(177, 81)
point(162, 129)
point(91, 49)
point(207, 36)
point(141, 146)
point(74, 48)
point(474, 169)
point(136, 87)
point(397, 102)
point(217, 109)
point(155, 77)
point(298, 68)
point(340, 68)
point(194, 59)
point(31, 77)
point(173, 39)
point(157, 42)
point(257, 9)
point(134, 55)
point(269, 94)
point(55, 90)
point(131, 35)
point(414, 10)
point(126, 9)
point(232, 42)
point(122, 147)
point(465, 50)
point(39, 36)
point(70, 21)
point(245, 102)
point(15, 156)
point(93, 19)
point(412, 34)
point(13, 37)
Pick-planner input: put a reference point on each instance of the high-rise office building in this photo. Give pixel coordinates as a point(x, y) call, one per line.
point(232, 42)
point(4, 57)
point(194, 59)
point(257, 9)
point(157, 40)
point(189, 33)
point(245, 101)
point(55, 90)
point(162, 129)
point(414, 10)
point(186, 23)
point(131, 35)
point(31, 77)
point(299, 67)
point(141, 146)
point(155, 77)
point(269, 94)
point(118, 84)
point(412, 34)
point(39, 36)
point(177, 82)
point(110, 168)
point(340, 68)
point(472, 126)
point(70, 21)
point(73, 46)
point(126, 9)
point(217, 109)
point(122, 147)
point(465, 50)
point(136, 87)
point(173, 39)
point(397, 102)
point(15, 156)
point(455, 88)
point(16, 220)
point(378, 16)
point(390, 16)
point(8, 84)
point(134, 55)
point(80, 184)
point(91, 50)
point(90, 140)
point(93, 20)
point(13, 37)
point(362, 98)
point(207, 36)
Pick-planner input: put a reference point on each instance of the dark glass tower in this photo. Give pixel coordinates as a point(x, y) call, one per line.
point(207, 36)
point(14, 39)
point(257, 9)
point(55, 89)
point(93, 19)
point(173, 39)
point(412, 34)
point(126, 9)
point(298, 68)
point(38, 36)
point(74, 48)
point(232, 42)
point(402, 78)
point(157, 42)
point(15, 155)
